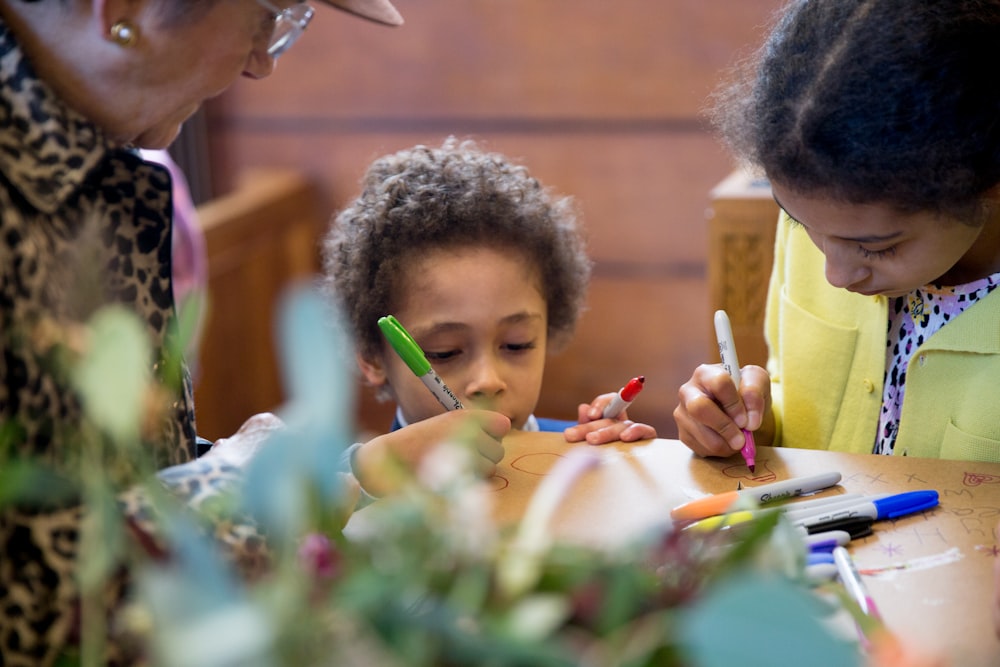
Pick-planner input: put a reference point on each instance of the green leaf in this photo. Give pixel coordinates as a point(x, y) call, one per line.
point(114, 374)
point(762, 620)
point(295, 478)
point(536, 616)
point(190, 313)
point(103, 540)
point(28, 482)
point(275, 492)
point(205, 568)
point(317, 360)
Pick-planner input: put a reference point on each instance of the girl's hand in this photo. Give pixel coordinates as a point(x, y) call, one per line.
point(595, 429)
point(712, 410)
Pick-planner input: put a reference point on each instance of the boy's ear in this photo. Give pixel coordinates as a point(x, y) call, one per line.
point(372, 370)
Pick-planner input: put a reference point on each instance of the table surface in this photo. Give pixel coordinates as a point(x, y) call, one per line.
point(931, 574)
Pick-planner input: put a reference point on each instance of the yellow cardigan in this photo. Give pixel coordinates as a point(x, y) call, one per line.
point(827, 361)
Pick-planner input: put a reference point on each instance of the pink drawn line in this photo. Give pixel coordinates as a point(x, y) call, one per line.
point(975, 479)
point(923, 563)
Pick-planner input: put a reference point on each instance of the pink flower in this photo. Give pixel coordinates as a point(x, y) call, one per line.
point(319, 557)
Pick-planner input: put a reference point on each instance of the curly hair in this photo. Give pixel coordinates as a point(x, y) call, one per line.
point(450, 197)
point(874, 101)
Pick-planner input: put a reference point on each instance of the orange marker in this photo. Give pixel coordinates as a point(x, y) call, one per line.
point(720, 503)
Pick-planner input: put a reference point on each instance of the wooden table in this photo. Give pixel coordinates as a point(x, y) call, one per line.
point(931, 573)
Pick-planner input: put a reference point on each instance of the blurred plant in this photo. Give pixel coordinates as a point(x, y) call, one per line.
point(426, 577)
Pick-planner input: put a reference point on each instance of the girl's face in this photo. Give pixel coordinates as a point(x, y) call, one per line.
point(480, 318)
point(875, 249)
point(178, 64)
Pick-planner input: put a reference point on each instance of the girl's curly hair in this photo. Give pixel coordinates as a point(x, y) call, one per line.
point(450, 197)
point(874, 101)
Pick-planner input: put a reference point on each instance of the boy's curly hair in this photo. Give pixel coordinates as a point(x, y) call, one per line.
point(454, 196)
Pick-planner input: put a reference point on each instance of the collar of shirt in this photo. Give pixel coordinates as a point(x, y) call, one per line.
point(47, 149)
point(531, 424)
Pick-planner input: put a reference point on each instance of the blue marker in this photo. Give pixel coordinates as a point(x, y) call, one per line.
point(876, 509)
point(827, 540)
point(818, 558)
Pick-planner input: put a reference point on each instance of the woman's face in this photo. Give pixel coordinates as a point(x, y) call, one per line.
point(177, 64)
point(480, 318)
point(875, 249)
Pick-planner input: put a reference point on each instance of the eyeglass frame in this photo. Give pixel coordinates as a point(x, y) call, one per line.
point(288, 25)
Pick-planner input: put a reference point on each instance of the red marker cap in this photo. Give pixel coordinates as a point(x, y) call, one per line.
point(632, 388)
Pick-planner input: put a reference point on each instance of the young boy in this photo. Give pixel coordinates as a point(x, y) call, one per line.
point(483, 266)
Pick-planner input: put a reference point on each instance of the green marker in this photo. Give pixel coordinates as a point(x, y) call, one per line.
point(408, 350)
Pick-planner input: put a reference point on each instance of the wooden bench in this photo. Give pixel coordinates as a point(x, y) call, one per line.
point(741, 226)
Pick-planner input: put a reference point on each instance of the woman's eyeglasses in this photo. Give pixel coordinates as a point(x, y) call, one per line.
point(289, 24)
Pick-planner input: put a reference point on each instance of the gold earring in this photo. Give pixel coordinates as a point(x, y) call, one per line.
point(124, 33)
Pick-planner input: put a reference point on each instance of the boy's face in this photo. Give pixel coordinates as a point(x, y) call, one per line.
point(480, 317)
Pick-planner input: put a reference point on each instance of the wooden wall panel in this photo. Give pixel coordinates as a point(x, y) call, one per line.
point(602, 100)
point(643, 197)
point(635, 326)
point(259, 239)
point(509, 59)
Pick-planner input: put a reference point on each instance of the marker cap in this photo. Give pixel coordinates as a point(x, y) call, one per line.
point(405, 346)
point(632, 388)
point(701, 508)
point(910, 502)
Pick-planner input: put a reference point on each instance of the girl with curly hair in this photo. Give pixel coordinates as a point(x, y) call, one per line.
point(877, 123)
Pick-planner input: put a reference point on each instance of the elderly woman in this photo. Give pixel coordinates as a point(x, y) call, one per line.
point(85, 222)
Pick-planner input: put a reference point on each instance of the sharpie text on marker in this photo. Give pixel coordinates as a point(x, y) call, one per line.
point(876, 509)
point(727, 353)
point(720, 503)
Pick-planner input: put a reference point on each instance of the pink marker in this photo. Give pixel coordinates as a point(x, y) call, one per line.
point(624, 397)
point(727, 352)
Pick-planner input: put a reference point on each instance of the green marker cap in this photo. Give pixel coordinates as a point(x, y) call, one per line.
point(405, 346)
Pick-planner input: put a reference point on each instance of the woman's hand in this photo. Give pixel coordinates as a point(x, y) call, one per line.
point(596, 429)
point(712, 411)
point(239, 448)
point(378, 462)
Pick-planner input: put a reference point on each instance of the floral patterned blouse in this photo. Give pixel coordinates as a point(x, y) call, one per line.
point(913, 319)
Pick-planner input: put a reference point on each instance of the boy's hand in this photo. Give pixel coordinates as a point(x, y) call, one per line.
point(377, 462)
point(595, 429)
point(712, 410)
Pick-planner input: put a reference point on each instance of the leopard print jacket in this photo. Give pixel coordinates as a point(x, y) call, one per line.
point(82, 224)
